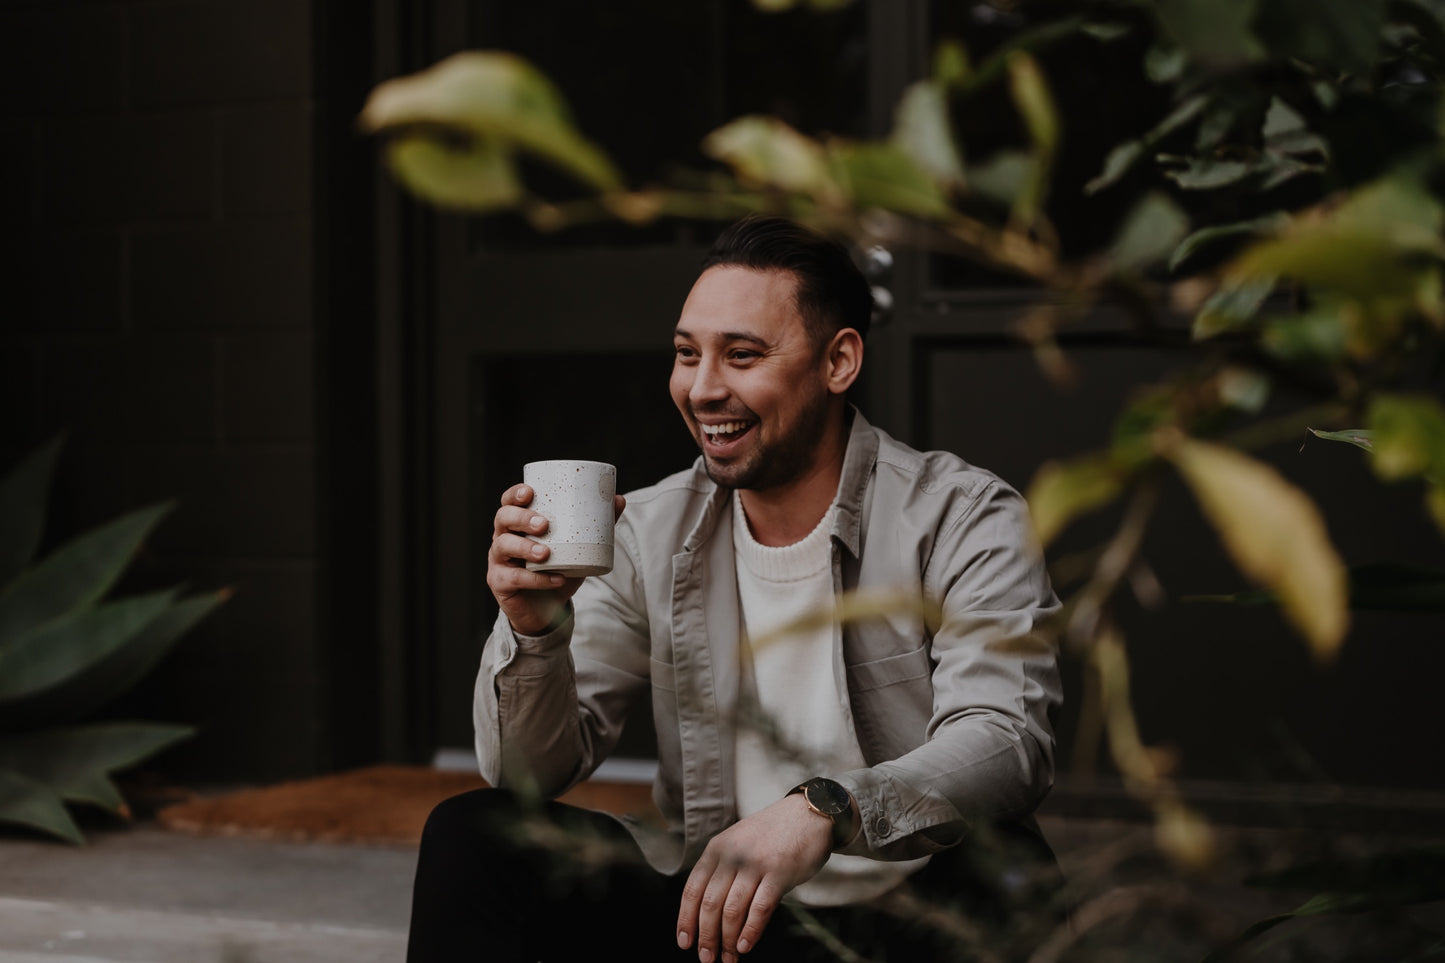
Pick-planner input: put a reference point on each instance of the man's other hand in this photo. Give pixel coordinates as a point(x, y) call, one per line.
point(744, 873)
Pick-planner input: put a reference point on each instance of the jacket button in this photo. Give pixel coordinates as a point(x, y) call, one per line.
point(881, 826)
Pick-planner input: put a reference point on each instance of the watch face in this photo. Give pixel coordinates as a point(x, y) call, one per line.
point(827, 796)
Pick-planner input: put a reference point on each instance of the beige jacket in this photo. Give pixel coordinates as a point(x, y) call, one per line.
point(955, 724)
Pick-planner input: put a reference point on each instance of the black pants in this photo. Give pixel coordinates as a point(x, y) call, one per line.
point(500, 879)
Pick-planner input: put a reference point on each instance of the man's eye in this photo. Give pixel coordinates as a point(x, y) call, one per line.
point(742, 355)
point(685, 353)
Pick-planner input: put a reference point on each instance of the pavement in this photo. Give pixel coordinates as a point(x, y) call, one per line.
point(139, 893)
point(148, 895)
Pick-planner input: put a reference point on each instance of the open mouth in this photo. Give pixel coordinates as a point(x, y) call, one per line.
point(721, 435)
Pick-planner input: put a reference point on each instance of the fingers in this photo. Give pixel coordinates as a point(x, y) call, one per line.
point(716, 901)
point(766, 899)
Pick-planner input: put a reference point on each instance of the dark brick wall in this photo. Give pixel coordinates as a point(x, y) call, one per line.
point(159, 306)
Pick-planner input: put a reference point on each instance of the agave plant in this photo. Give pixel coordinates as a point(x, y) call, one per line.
point(66, 650)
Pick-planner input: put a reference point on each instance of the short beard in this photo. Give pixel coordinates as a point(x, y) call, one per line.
point(782, 461)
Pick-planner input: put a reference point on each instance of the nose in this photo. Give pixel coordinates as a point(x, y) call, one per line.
point(708, 384)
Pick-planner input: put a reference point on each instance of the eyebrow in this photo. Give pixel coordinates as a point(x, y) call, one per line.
point(725, 336)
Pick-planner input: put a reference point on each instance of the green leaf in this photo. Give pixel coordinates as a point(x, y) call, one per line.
point(493, 97)
point(950, 63)
point(1152, 229)
point(1339, 34)
point(62, 648)
point(478, 177)
point(1002, 176)
point(75, 575)
point(1063, 490)
point(1377, 586)
point(1036, 106)
point(1126, 155)
point(1215, 33)
point(922, 131)
point(1314, 336)
point(1409, 437)
point(114, 674)
point(1204, 237)
point(882, 176)
point(1207, 173)
point(767, 151)
point(1369, 247)
point(23, 497)
point(75, 761)
point(1275, 534)
point(1359, 437)
point(1231, 308)
point(27, 802)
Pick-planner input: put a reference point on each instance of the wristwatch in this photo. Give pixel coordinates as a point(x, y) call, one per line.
point(827, 798)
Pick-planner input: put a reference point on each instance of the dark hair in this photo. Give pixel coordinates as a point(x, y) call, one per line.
point(832, 292)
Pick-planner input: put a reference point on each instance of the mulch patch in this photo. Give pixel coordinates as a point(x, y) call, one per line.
point(376, 804)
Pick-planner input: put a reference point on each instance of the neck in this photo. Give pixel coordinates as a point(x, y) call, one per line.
point(786, 514)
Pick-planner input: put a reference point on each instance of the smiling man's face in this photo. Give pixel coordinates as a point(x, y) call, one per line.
point(749, 379)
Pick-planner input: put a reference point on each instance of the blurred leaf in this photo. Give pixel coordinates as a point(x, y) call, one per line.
point(75, 575)
point(882, 176)
point(1002, 176)
point(1353, 884)
point(1208, 173)
point(1202, 238)
point(1164, 63)
point(23, 498)
point(1106, 31)
point(1036, 106)
point(477, 177)
point(1409, 437)
point(950, 63)
point(1231, 308)
point(1338, 34)
point(1124, 156)
point(1215, 33)
point(1151, 230)
point(75, 761)
point(856, 606)
point(1358, 437)
point(492, 97)
point(65, 646)
point(1063, 490)
point(1285, 131)
point(1370, 246)
point(922, 131)
point(1274, 533)
point(1377, 586)
point(27, 802)
point(1317, 335)
point(111, 675)
point(1242, 388)
point(767, 151)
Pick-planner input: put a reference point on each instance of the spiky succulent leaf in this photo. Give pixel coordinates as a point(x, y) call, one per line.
point(76, 761)
point(28, 802)
point(64, 647)
point(23, 497)
point(75, 575)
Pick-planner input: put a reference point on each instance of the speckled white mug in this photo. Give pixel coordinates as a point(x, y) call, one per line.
point(576, 498)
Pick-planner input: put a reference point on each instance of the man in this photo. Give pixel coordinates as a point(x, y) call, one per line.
point(821, 772)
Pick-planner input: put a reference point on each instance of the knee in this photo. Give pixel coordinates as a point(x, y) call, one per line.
point(456, 820)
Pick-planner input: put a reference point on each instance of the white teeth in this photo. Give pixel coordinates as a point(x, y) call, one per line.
point(724, 429)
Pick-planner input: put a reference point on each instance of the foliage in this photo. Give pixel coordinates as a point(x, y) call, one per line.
point(1284, 202)
point(66, 650)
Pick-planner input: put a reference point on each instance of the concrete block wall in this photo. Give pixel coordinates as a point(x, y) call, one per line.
point(158, 306)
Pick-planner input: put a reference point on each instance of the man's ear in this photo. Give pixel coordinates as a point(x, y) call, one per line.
point(845, 360)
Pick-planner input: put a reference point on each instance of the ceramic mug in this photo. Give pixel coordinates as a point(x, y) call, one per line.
point(576, 498)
